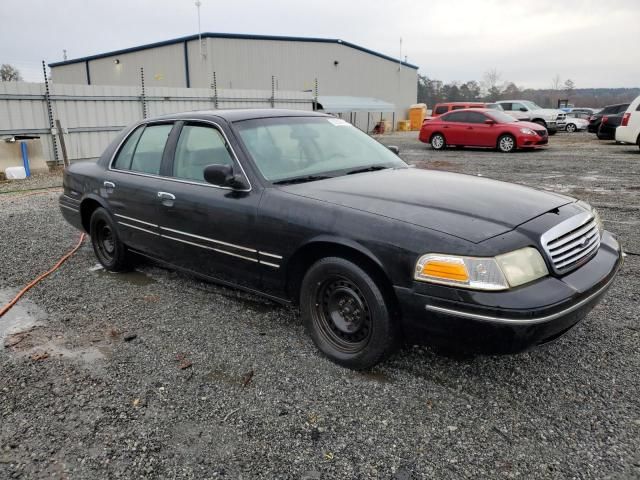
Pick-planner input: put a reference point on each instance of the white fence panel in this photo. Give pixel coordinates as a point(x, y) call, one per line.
point(92, 115)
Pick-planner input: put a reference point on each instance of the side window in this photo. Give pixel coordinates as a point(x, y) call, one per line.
point(458, 107)
point(475, 117)
point(147, 156)
point(123, 161)
point(455, 117)
point(441, 109)
point(517, 106)
point(507, 106)
point(199, 146)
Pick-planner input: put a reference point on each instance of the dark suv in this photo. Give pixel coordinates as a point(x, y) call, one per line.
point(596, 119)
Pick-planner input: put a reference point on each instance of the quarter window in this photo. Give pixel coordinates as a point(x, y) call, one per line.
point(198, 147)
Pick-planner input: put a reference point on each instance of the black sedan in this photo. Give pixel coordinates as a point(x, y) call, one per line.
point(304, 208)
point(608, 125)
point(596, 119)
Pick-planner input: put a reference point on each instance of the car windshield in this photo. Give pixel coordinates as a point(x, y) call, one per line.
point(501, 117)
point(531, 105)
point(312, 148)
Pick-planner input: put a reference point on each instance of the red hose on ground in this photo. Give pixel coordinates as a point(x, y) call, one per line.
point(41, 277)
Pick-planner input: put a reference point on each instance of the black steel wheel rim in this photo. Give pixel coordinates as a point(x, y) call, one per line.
point(342, 315)
point(105, 241)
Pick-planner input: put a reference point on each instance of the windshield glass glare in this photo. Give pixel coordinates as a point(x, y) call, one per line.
point(290, 147)
point(501, 117)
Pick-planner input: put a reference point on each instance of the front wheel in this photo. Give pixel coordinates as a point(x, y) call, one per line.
point(107, 246)
point(438, 142)
point(571, 128)
point(346, 314)
point(506, 143)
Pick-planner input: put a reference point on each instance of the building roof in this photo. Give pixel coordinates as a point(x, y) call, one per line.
point(232, 36)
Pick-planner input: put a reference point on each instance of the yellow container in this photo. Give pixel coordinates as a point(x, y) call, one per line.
point(404, 125)
point(417, 114)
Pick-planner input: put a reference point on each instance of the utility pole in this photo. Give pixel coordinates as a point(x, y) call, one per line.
point(198, 5)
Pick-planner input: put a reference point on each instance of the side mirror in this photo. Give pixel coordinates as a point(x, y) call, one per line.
point(522, 109)
point(394, 149)
point(489, 121)
point(223, 176)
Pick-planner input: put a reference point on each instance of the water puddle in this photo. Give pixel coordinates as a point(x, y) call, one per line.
point(139, 279)
point(24, 316)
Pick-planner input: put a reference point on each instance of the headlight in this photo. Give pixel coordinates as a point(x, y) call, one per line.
point(527, 131)
point(482, 273)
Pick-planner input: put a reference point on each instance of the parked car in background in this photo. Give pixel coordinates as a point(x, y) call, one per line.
point(596, 118)
point(304, 208)
point(444, 107)
point(575, 124)
point(482, 128)
point(584, 110)
point(550, 118)
point(629, 129)
point(608, 126)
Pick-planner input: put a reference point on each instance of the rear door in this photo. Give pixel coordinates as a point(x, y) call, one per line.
point(206, 228)
point(453, 128)
point(131, 184)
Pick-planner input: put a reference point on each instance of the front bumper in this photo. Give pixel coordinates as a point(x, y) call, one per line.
point(510, 321)
point(532, 140)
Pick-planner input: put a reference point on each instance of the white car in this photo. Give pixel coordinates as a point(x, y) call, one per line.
point(629, 129)
point(575, 124)
point(550, 118)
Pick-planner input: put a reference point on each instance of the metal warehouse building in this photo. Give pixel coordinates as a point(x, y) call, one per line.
point(349, 77)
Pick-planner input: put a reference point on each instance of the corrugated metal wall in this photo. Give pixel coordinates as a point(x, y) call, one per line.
point(93, 115)
point(251, 63)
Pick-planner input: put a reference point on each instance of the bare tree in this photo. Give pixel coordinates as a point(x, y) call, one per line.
point(9, 73)
point(569, 86)
point(556, 82)
point(491, 84)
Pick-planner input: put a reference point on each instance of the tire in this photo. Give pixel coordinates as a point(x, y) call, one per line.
point(571, 128)
point(346, 314)
point(438, 141)
point(540, 122)
point(107, 246)
point(506, 143)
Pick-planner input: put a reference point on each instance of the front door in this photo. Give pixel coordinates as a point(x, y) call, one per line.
point(205, 228)
point(480, 134)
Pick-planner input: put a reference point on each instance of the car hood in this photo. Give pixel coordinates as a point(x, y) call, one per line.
point(465, 206)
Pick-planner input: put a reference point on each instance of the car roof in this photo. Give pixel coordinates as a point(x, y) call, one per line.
point(237, 115)
point(471, 102)
point(470, 110)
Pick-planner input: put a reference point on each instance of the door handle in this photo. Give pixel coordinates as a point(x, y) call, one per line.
point(469, 128)
point(109, 184)
point(445, 126)
point(166, 198)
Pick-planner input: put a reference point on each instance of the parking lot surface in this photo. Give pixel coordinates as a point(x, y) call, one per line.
point(154, 374)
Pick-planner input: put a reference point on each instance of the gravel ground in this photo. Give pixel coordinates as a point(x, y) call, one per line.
point(153, 374)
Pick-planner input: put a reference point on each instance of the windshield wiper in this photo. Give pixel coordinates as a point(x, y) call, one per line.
point(372, 168)
point(306, 178)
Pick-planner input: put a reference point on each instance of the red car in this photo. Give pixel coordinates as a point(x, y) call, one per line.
point(482, 127)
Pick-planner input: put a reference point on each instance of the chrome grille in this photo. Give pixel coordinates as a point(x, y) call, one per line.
point(572, 242)
point(542, 133)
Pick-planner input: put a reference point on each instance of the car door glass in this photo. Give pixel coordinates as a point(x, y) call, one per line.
point(198, 147)
point(441, 109)
point(147, 156)
point(123, 161)
point(456, 117)
point(507, 107)
point(517, 106)
point(475, 117)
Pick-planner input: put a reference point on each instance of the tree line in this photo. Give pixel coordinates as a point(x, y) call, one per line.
point(491, 88)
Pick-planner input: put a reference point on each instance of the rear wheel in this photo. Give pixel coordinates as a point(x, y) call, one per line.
point(346, 314)
point(438, 142)
point(571, 128)
point(506, 143)
point(109, 250)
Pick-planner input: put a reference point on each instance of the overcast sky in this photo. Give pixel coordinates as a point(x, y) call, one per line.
point(595, 43)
